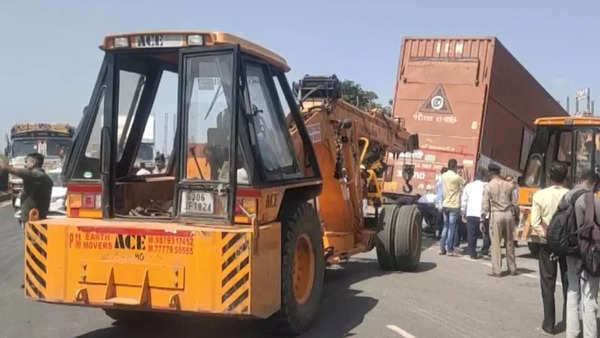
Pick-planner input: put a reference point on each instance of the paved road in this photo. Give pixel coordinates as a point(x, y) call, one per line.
point(447, 297)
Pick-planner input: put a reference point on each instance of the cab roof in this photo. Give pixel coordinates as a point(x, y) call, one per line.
point(568, 121)
point(181, 39)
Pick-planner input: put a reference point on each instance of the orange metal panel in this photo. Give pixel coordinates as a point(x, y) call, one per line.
point(154, 266)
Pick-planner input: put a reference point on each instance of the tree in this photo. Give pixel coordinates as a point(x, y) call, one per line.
point(353, 93)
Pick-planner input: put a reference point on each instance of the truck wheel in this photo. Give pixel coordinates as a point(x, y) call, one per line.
point(399, 240)
point(534, 249)
point(383, 239)
point(407, 241)
point(302, 270)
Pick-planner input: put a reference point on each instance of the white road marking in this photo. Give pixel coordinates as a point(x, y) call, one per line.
point(400, 331)
point(5, 204)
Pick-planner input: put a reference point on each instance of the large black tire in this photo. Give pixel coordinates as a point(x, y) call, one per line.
point(407, 241)
point(398, 241)
point(299, 224)
point(384, 238)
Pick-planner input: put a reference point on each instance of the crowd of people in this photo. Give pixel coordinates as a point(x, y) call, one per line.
point(488, 205)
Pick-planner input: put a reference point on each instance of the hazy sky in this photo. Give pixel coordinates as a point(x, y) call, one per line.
point(50, 57)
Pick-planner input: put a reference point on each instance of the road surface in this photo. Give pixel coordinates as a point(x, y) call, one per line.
point(447, 297)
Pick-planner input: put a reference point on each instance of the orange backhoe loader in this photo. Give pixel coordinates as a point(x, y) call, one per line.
point(257, 198)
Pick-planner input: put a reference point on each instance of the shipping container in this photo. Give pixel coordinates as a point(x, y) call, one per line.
point(468, 99)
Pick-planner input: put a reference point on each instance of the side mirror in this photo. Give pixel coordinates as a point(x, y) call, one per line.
point(105, 151)
point(413, 143)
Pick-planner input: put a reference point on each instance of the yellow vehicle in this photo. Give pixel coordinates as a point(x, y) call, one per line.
point(573, 141)
point(208, 237)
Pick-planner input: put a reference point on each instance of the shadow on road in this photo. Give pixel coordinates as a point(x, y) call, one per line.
point(343, 308)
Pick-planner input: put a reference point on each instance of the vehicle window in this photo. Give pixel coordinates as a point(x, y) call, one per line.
point(130, 89)
point(24, 147)
point(60, 148)
point(550, 154)
point(297, 142)
point(165, 124)
point(526, 142)
point(89, 165)
point(208, 82)
point(564, 150)
point(584, 152)
point(534, 168)
point(284, 104)
point(271, 133)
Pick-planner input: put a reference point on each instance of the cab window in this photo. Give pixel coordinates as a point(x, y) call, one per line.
point(559, 150)
point(209, 108)
point(584, 152)
point(88, 166)
point(270, 131)
point(131, 85)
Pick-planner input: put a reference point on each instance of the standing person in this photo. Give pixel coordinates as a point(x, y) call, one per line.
point(161, 165)
point(543, 207)
point(37, 186)
point(499, 205)
point(582, 290)
point(471, 211)
point(439, 197)
point(452, 185)
point(484, 228)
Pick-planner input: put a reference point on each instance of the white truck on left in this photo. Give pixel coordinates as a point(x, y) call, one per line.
point(54, 141)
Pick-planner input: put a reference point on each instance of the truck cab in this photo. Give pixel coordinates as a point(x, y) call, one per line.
point(573, 141)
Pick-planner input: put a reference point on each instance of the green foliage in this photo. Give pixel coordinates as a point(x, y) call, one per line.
point(353, 93)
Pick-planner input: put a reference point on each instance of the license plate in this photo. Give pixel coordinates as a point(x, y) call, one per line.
point(197, 202)
point(157, 41)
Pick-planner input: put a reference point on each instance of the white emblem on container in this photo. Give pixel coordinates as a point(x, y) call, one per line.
point(437, 102)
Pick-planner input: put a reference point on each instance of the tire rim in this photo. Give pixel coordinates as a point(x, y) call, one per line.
point(304, 269)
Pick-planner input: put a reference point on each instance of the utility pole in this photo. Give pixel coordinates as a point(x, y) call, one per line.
point(568, 105)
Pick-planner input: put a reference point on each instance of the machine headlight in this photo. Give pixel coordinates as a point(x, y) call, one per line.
point(195, 40)
point(122, 42)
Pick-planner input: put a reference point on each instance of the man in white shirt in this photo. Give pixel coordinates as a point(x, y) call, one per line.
point(471, 210)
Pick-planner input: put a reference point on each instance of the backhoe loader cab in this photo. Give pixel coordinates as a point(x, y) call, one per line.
point(236, 224)
point(573, 141)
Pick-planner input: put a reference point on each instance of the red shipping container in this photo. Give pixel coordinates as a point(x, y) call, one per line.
point(468, 99)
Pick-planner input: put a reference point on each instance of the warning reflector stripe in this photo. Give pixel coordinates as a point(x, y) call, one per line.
point(235, 272)
point(33, 255)
point(241, 300)
point(232, 281)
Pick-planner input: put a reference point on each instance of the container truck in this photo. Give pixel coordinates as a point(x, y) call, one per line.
point(468, 99)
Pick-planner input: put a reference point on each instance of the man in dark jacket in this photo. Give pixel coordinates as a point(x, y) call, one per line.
point(37, 185)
